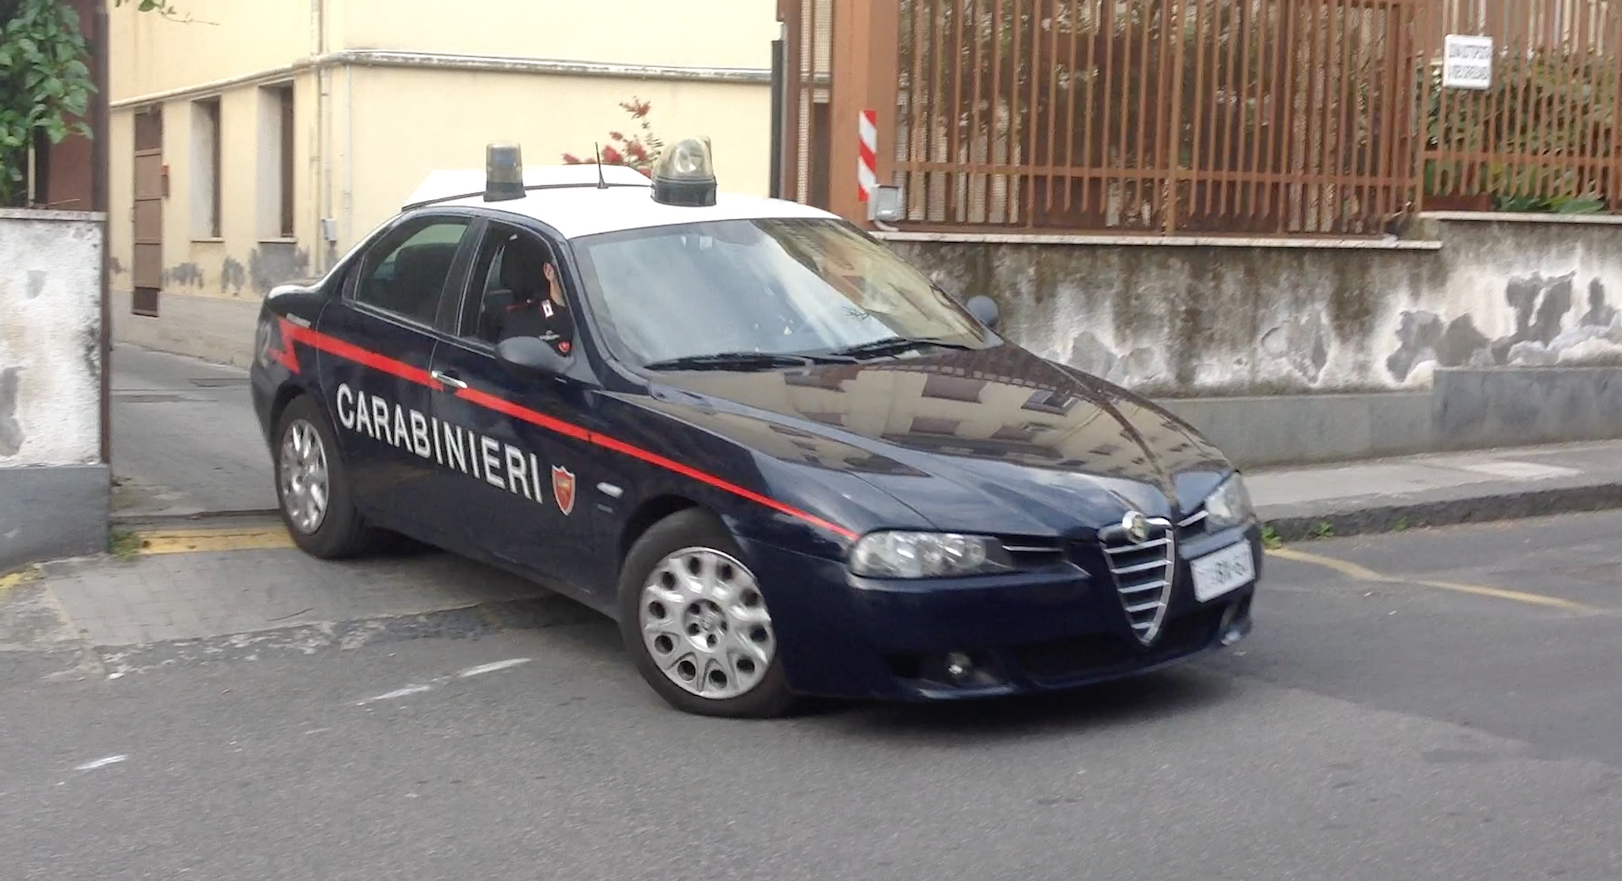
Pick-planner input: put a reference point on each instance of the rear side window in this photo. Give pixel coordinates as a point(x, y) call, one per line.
point(406, 272)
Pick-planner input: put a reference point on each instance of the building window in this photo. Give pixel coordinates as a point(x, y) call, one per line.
point(934, 425)
point(1050, 402)
point(205, 176)
point(952, 388)
point(276, 162)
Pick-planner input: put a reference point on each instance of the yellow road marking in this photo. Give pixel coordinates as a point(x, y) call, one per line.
point(202, 541)
point(13, 579)
point(1362, 573)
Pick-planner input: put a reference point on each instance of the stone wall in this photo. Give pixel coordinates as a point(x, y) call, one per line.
point(53, 485)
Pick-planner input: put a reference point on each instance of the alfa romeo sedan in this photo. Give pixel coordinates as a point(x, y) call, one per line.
point(784, 461)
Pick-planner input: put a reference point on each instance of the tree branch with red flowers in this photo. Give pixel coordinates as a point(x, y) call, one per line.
point(639, 151)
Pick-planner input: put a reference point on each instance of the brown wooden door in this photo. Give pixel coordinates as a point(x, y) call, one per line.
point(148, 239)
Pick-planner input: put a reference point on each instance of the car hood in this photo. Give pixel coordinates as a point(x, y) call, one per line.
point(996, 439)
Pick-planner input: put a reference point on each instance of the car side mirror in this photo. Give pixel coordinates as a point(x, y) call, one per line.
point(528, 354)
point(985, 309)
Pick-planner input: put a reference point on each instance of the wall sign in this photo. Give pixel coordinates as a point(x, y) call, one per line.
point(1467, 62)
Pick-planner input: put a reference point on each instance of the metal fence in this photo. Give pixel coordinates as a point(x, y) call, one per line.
point(1542, 136)
point(1305, 117)
point(1157, 115)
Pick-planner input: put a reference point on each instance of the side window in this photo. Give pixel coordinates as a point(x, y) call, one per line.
point(406, 273)
point(511, 287)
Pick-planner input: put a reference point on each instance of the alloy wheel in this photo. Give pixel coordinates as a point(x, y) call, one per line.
point(304, 480)
point(705, 624)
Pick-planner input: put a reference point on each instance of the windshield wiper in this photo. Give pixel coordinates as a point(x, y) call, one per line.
point(732, 361)
point(892, 345)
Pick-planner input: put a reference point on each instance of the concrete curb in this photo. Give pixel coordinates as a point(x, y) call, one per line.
point(1395, 517)
point(128, 519)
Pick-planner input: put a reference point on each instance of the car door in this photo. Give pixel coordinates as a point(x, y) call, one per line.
point(519, 489)
point(378, 342)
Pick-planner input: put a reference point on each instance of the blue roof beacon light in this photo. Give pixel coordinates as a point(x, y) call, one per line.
point(685, 175)
point(503, 173)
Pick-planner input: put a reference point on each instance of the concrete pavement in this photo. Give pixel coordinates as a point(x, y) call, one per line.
point(1369, 730)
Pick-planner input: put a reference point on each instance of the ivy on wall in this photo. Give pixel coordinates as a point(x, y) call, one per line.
point(45, 82)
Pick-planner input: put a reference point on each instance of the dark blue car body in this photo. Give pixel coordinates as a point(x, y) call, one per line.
point(584, 462)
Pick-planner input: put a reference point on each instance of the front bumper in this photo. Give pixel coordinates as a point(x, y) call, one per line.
point(1051, 630)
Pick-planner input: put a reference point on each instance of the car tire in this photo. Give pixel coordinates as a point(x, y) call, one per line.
point(339, 531)
point(732, 619)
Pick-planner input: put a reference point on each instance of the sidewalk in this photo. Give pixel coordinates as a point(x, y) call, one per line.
point(185, 443)
point(1438, 489)
point(186, 446)
point(239, 589)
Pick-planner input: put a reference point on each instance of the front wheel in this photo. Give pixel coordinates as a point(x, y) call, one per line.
point(312, 485)
point(694, 620)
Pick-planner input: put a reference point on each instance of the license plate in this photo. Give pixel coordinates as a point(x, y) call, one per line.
point(1226, 570)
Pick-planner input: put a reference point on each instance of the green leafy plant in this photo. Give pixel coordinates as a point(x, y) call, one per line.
point(1323, 529)
point(1521, 145)
point(639, 151)
point(44, 82)
point(123, 544)
point(1270, 539)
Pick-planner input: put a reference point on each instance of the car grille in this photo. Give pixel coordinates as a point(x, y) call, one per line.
point(1143, 575)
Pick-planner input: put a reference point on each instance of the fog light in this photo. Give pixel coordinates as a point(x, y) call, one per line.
point(958, 665)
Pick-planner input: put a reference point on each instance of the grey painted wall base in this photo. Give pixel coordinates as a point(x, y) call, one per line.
point(1466, 409)
point(1304, 429)
point(1534, 405)
point(218, 329)
point(54, 511)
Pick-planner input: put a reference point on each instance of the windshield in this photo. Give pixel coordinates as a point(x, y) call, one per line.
point(773, 286)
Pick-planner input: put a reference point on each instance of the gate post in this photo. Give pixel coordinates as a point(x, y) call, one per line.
point(866, 45)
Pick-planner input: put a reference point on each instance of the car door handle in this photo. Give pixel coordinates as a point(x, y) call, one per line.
point(447, 379)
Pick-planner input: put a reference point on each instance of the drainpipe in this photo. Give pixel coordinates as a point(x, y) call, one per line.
point(320, 157)
point(99, 170)
point(779, 94)
point(349, 156)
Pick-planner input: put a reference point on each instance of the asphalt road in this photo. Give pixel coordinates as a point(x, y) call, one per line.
point(1370, 729)
point(185, 440)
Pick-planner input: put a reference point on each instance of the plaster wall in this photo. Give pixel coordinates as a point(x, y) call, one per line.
point(1262, 318)
point(50, 325)
point(54, 488)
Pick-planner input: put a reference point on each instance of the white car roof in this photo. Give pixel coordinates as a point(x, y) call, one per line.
point(446, 183)
point(575, 211)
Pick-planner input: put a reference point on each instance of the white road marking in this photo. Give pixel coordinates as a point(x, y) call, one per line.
point(437, 681)
point(492, 667)
point(1521, 470)
point(397, 693)
point(100, 763)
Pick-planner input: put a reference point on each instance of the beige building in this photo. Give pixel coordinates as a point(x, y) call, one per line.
point(258, 141)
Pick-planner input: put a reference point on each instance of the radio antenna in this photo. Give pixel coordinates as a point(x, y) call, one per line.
point(602, 183)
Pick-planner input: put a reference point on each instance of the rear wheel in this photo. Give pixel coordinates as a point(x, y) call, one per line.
point(693, 618)
point(312, 485)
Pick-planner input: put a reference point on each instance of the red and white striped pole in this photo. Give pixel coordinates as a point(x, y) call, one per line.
point(867, 170)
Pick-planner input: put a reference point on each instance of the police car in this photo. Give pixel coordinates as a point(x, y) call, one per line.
point(783, 460)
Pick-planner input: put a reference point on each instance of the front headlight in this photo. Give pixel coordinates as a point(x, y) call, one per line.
point(1228, 504)
point(927, 555)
